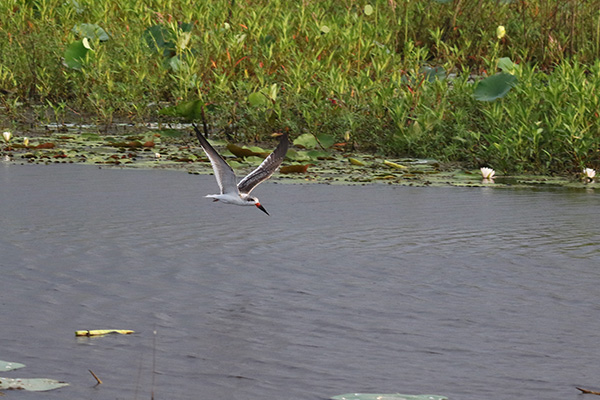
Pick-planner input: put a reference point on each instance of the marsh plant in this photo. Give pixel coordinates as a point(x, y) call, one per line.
point(386, 76)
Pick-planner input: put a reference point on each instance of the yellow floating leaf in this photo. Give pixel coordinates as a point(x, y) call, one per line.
point(385, 177)
point(99, 332)
point(241, 152)
point(394, 165)
point(354, 161)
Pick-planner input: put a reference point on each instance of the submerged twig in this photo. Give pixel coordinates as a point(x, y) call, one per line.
point(588, 391)
point(153, 363)
point(95, 377)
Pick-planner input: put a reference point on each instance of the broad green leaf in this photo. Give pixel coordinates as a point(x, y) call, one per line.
point(257, 99)
point(9, 366)
point(297, 155)
point(306, 140)
point(75, 54)
point(507, 66)
point(190, 110)
point(368, 9)
point(34, 384)
point(186, 26)
point(325, 140)
point(175, 63)
point(158, 38)
point(396, 396)
point(325, 29)
point(90, 31)
point(431, 74)
point(494, 87)
point(92, 137)
point(171, 133)
point(318, 154)
point(254, 160)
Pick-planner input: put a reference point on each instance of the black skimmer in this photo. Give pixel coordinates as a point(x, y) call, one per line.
point(239, 193)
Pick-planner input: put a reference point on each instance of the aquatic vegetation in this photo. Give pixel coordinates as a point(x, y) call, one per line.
point(392, 396)
point(335, 165)
point(30, 384)
point(469, 82)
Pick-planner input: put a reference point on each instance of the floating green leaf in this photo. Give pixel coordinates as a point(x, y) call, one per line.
point(33, 384)
point(397, 396)
point(9, 366)
point(306, 140)
point(76, 54)
point(90, 31)
point(325, 140)
point(494, 87)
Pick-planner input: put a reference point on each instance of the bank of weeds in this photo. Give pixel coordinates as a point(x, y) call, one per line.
point(347, 68)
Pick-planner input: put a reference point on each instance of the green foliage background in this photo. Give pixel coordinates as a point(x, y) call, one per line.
point(330, 66)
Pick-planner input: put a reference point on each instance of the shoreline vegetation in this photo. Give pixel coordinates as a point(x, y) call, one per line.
point(511, 85)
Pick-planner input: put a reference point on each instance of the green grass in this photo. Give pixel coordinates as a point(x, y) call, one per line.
point(331, 67)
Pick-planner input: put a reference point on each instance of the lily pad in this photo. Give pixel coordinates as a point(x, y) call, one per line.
point(325, 140)
point(90, 31)
point(395, 396)
point(307, 141)
point(75, 55)
point(33, 384)
point(9, 366)
point(494, 87)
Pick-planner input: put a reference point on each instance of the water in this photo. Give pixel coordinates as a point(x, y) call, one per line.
point(469, 293)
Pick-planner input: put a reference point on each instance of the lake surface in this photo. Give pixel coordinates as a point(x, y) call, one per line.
point(471, 293)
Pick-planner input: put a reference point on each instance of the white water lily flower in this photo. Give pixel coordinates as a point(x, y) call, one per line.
point(7, 135)
point(589, 173)
point(157, 155)
point(487, 173)
point(26, 141)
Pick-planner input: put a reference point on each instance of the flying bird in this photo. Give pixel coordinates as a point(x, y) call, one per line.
point(239, 193)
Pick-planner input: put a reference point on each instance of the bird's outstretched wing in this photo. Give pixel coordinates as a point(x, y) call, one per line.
point(266, 168)
point(223, 172)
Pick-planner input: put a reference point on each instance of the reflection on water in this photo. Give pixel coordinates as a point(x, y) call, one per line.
point(468, 293)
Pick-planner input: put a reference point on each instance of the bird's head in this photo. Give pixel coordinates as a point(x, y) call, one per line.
point(254, 201)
